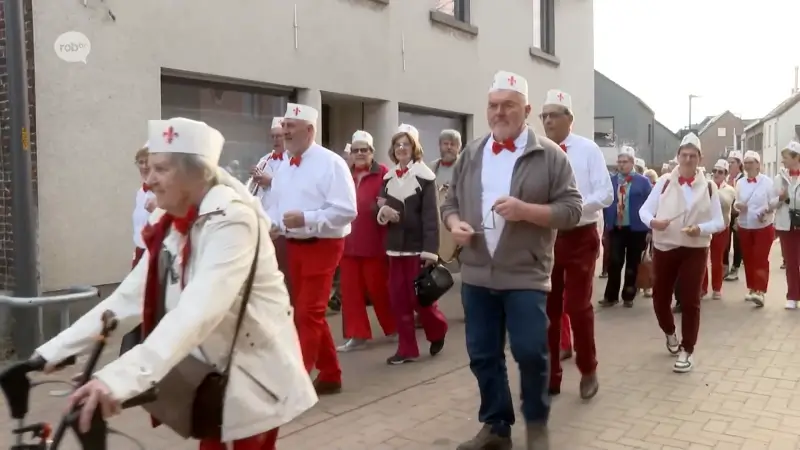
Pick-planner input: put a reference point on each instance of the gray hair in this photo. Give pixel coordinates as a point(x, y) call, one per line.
point(195, 165)
point(450, 135)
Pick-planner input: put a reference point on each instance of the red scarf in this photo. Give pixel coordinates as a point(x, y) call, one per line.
point(153, 236)
point(145, 187)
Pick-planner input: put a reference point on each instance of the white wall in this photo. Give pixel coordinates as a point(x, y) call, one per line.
point(786, 123)
point(92, 117)
point(770, 158)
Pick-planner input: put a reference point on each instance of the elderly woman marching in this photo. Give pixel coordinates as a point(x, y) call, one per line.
point(721, 239)
point(364, 266)
point(145, 204)
point(756, 201)
point(787, 219)
point(208, 272)
point(449, 149)
point(683, 211)
point(735, 173)
point(411, 215)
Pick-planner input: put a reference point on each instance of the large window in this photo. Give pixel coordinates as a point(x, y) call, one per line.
point(456, 8)
point(242, 114)
point(430, 125)
point(544, 18)
point(604, 131)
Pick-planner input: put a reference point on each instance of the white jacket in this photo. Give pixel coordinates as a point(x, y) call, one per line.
point(268, 384)
point(782, 181)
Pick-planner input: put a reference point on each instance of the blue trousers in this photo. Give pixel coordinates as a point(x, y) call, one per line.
point(489, 315)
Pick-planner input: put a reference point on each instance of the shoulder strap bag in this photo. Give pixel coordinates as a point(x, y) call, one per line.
point(192, 395)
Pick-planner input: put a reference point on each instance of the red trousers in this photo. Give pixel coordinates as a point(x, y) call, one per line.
point(263, 441)
point(361, 277)
point(402, 272)
point(684, 266)
point(312, 264)
point(572, 281)
point(756, 244)
point(790, 247)
point(719, 245)
point(566, 335)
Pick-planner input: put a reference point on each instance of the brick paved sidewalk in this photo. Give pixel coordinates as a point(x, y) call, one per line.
point(743, 393)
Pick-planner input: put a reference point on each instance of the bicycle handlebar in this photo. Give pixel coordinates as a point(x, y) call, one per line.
point(16, 386)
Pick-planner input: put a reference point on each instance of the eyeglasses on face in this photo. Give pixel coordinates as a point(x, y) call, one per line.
point(718, 172)
point(554, 115)
point(364, 150)
point(401, 145)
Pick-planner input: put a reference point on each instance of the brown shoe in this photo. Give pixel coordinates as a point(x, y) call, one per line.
point(536, 437)
point(327, 387)
point(589, 386)
point(564, 355)
point(486, 440)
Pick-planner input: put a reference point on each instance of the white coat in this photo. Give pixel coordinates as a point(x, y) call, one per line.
point(268, 384)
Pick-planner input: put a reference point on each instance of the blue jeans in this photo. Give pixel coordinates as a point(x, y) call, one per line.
point(522, 313)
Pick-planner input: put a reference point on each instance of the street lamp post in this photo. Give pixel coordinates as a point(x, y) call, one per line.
point(691, 97)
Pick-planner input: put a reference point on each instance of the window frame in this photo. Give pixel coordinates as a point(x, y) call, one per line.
point(543, 46)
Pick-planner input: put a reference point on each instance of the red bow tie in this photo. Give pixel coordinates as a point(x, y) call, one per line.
point(563, 147)
point(446, 163)
point(145, 187)
point(508, 144)
point(401, 172)
point(683, 181)
point(277, 156)
point(751, 180)
point(294, 161)
point(184, 224)
point(794, 173)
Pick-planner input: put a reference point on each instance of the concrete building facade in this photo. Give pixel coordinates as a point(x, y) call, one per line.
point(366, 64)
point(623, 117)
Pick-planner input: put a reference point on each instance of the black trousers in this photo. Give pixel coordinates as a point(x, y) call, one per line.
point(626, 248)
point(737, 250)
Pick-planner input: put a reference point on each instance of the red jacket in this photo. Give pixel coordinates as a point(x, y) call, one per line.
point(366, 238)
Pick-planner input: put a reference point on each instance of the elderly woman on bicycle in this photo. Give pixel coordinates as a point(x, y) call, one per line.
point(207, 295)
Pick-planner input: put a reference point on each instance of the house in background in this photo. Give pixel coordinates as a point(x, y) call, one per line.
point(621, 117)
point(719, 135)
point(665, 145)
point(771, 133)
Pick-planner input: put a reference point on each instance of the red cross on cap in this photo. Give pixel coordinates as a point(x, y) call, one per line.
point(296, 110)
point(170, 135)
point(560, 97)
point(512, 81)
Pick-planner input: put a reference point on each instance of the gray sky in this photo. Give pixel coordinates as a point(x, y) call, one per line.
point(735, 54)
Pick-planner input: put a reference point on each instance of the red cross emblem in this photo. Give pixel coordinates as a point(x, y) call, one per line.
point(560, 97)
point(170, 135)
point(296, 111)
point(512, 81)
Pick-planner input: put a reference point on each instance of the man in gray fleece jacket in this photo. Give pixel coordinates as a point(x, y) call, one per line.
point(511, 190)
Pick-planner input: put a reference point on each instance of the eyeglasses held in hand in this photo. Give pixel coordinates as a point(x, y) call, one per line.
point(489, 222)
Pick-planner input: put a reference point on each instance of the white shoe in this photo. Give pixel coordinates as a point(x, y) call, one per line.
point(673, 345)
point(716, 295)
point(758, 299)
point(791, 304)
point(684, 363)
point(749, 296)
point(351, 345)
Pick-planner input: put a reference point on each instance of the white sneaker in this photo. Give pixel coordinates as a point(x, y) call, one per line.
point(673, 345)
point(351, 345)
point(758, 299)
point(684, 363)
point(716, 295)
point(749, 296)
point(791, 304)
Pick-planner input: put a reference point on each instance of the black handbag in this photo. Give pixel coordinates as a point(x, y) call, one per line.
point(432, 283)
point(794, 219)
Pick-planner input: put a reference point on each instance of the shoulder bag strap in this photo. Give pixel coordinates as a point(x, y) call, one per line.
point(248, 288)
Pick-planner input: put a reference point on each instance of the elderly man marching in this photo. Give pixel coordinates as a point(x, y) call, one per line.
point(315, 202)
point(261, 184)
point(627, 234)
point(735, 173)
point(449, 149)
point(511, 189)
point(208, 295)
point(576, 249)
point(684, 212)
